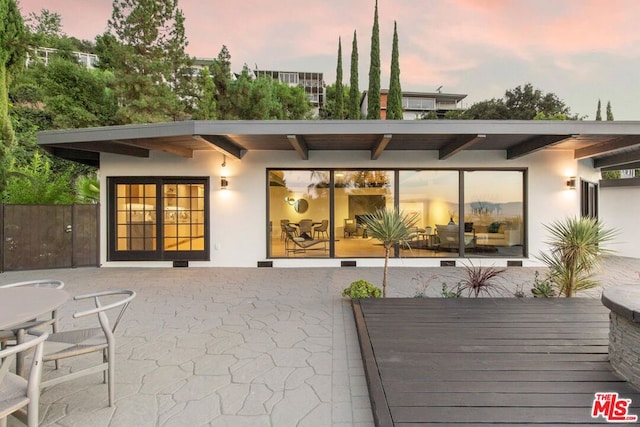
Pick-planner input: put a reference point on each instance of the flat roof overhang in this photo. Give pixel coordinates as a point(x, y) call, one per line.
point(609, 144)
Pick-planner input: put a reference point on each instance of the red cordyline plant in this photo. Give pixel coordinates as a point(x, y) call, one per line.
point(481, 280)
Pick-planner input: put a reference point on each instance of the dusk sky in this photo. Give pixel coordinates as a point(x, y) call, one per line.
point(581, 50)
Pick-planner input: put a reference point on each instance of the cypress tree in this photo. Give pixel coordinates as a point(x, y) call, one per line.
point(354, 91)
point(373, 104)
point(338, 114)
point(599, 112)
point(394, 98)
point(609, 112)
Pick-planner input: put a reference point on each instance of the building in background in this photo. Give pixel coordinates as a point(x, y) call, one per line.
point(311, 82)
point(417, 104)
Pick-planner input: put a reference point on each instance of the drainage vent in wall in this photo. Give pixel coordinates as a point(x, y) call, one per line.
point(265, 263)
point(447, 263)
point(180, 264)
point(347, 263)
point(514, 263)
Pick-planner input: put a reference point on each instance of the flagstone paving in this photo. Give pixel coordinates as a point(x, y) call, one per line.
point(239, 347)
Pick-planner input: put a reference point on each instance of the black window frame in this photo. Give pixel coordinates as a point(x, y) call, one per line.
point(158, 254)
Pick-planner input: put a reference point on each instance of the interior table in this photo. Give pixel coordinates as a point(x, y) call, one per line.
point(23, 304)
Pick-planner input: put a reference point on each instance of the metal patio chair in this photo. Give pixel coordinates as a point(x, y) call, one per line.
point(90, 340)
point(16, 392)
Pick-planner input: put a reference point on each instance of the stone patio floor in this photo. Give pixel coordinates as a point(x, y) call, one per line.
point(240, 346)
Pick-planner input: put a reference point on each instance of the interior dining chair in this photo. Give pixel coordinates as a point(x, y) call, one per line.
point(285, 227)
point(321, 230)
point(16, 392)
point(90, 340)
point(306, 226)
point(13, 333)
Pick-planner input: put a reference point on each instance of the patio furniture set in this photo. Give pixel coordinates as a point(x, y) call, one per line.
point(27, 310)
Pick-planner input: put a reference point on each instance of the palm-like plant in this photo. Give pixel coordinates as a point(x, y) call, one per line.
point(576, 247)
point(391, 228)
point(88, 189)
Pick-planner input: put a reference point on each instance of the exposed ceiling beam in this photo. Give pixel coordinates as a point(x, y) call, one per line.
point(621, 160)
point(113, 147)
point(634, 165)
point(300, 145)
point(607, 146)
point(159, 145)
point(380, 145)
point(534, 144)
point(458, 144)
point(223, 145)
point(90, 158)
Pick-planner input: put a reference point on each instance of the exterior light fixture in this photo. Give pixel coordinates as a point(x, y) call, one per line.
point(571, 183)
point(224, 182)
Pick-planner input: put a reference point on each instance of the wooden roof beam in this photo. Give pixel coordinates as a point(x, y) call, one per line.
point(380, 145)
point(534, 144)
point(620, 160)
point(460, 143)
point(300, 145)
point(223, 144)
point(607, 146)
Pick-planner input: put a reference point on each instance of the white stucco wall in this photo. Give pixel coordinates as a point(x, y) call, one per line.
point(619, 208)
point(238, 214)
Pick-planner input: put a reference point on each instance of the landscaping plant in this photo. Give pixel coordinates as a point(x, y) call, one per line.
point(391, 228)
point(361, 289)
point(542, 288)
point(480, 280)
point(575, 250)
point(447, 292)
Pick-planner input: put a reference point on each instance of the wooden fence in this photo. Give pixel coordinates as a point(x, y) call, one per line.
point(48, 236)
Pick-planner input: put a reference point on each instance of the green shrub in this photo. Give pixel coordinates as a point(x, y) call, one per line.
point(361, 289)
point(542, 288)
point(450, 292)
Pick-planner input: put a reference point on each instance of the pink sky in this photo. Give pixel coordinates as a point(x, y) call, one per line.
point(581, 50)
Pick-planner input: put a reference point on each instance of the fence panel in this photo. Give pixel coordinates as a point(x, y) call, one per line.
point(49, 236)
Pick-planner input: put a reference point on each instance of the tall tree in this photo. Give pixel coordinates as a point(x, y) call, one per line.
point(221, 73)
point(12, 56)
point(151, 33)
point(394, 97)
point(599, 111)
point(609, 112)
point(373, 102)
point(339, 105)
point(354, 91)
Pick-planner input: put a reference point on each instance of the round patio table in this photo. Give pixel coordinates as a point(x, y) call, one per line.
point(23, 304)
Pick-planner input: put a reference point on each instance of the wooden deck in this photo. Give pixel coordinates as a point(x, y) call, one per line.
point(486, 361)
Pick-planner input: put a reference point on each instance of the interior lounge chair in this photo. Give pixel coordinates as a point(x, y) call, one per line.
point(449, 237)
point(295, 244)
point(350, 227)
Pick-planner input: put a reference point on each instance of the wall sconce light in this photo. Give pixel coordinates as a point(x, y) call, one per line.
point(571, 183)
point(224, 182)
point(290, 200)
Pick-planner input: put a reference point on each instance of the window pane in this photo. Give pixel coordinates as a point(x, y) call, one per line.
point(135, 217)
point(298, 203)
point(494, 212)
point(358, 193)
point(433, 197)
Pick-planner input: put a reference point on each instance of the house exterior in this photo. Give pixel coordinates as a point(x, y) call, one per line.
point(256, 193)
point(416, 104)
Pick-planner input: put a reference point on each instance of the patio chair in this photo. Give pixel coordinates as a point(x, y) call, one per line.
point(17, 392)
point(14, 333)
point(295, 244)
point(91, 340)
